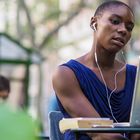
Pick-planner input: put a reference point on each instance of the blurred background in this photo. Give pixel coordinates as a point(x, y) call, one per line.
point(38, 35)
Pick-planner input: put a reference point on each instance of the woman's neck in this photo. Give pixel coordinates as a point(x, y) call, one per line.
point(104, 58)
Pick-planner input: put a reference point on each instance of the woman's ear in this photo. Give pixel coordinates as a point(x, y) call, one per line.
point(93, 23)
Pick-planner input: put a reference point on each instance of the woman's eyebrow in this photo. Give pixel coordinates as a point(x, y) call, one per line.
point(115, 15)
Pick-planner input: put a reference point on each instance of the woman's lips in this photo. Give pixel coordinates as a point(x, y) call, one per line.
point(118, 41)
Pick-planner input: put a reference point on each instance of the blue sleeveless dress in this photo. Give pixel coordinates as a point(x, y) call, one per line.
point(95, 92)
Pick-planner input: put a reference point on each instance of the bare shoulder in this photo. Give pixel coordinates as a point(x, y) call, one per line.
point(64, 80)
point(63, 73)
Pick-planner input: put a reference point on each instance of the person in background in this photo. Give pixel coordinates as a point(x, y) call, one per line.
point(97, 84)
point(4, 87)
point(15, 123)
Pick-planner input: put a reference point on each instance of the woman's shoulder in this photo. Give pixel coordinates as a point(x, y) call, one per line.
point(65, 72)
point(62, 71)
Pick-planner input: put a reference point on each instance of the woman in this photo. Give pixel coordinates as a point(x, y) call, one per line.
point(96, 84)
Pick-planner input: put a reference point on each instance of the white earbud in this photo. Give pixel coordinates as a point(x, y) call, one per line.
point(93, 27)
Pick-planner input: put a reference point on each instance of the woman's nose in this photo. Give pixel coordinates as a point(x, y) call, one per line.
point(122, 29)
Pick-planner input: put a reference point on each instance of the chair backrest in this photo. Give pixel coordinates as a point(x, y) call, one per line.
point(54, 118)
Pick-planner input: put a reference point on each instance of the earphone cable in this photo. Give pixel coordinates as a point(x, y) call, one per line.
point(115, 84)
point(115, 77)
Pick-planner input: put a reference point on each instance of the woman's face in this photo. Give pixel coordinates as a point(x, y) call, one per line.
point(114, 28)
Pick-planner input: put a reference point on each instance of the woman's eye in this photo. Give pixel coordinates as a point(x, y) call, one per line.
point(115, 21)
point(129, 28)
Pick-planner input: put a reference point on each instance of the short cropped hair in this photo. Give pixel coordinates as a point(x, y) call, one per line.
point(4, 84)
point(106, 5)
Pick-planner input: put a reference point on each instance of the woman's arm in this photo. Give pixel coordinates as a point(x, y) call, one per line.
point(70, 95)
point(74, 101)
